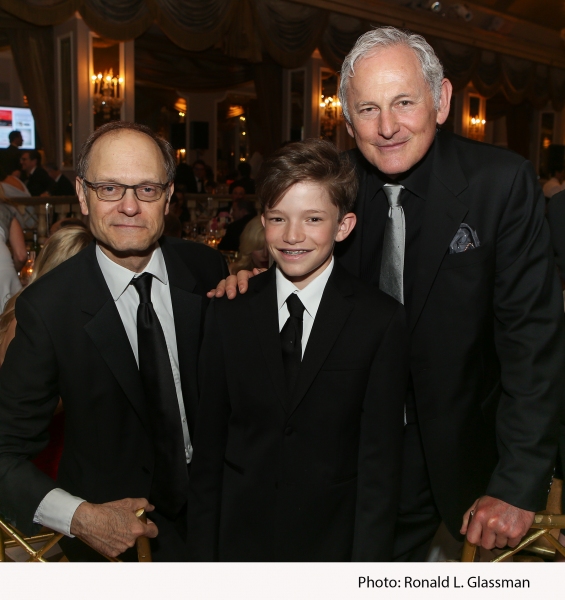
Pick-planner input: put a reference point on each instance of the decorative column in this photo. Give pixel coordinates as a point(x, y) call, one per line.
point(82, 102)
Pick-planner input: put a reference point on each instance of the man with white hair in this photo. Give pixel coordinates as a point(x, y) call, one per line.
point(455, 230)
point(471, 261)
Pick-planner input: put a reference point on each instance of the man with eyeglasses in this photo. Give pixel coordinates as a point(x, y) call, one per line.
point(114, 332)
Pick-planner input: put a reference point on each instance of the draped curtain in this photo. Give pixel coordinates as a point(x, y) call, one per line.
point(288, 32)
point(237, 35)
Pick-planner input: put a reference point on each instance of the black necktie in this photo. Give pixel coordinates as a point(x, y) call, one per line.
point(291, 341)
point(170, 474)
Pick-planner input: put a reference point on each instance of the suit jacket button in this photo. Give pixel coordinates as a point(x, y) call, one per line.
point(288, 431)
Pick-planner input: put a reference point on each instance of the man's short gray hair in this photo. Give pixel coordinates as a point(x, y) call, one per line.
point(383, 37)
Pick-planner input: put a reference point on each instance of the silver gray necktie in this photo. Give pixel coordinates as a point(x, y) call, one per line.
point(392, 265)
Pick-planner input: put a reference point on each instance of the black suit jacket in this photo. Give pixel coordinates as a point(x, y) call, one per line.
point(62, 187)
point(230, 241)
point(70, 342)
point(39, 182)
point(310, 477)
point(556, 218)
point(487, 344)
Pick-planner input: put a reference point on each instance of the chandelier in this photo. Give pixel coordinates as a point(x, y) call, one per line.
point(330, 115)
point(107, 95)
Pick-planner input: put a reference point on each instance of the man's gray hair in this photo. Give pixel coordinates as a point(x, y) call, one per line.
point(384, 37)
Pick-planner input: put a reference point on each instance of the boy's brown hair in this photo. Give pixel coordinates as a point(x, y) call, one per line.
point(310, 161)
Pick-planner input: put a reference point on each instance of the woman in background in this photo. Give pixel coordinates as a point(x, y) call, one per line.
point(252, 248)
point(10, 230)
point(63, 244)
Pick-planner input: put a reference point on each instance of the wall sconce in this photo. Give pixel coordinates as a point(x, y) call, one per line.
point(476, 123)
point(330, 115)
point(107, 95)
point(476, 127)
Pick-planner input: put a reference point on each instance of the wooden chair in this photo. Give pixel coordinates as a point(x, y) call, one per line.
point(10, 537)
point(541, 540)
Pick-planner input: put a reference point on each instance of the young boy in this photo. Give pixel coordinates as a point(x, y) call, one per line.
point(299, 430)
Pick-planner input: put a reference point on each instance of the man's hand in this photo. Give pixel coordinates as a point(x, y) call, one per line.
point(112, 528)
point(496, 523)
point(233, 283)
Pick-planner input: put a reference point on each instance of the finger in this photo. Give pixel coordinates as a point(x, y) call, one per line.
point(220, 289)
point(474, 532)
point(500, 540)
point(465, 522)
point(211, 293)
point(513, 541)
point(487, 539)
point(467, 517)
point(151, 530)
point(230, 285)
point(242, 282)
point(139, 503)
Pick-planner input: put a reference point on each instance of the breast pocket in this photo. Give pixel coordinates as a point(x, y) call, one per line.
point(465, 259)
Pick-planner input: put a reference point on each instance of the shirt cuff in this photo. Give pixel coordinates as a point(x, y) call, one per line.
point(56, 511)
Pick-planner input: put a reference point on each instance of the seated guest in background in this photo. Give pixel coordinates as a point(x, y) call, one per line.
point(237, 193)
point(242, 211)
point(556, 183)
point(10, 157)
point(13, 187)
point(244, 180)
point(114, 331)
point(10, 263)
point(58, 248)
point(299, 459)
point(197, 184)
point(62, 186)
point(37, 180)
point(253, 253)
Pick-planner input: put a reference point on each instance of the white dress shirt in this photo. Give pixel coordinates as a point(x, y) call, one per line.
point(310, 297)
point(56, 510)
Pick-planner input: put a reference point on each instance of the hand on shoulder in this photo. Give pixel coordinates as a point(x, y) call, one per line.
point(234, 284)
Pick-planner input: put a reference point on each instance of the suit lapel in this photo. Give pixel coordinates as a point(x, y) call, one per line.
point(108, 334)
point(266, 324)
point(332, 315)
point(444, 213)
point(187, 312)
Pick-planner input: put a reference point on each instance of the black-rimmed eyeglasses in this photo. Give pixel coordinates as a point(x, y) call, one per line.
point(112, 192)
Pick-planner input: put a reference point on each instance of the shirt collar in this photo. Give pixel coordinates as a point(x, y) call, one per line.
point(118, 278)
point(310, 296)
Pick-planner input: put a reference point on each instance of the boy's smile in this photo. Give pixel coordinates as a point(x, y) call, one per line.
point(301, 229)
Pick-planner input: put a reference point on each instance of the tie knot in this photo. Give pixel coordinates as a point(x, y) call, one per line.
point(143, 286)
point(295, 307)
point(392, 191)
